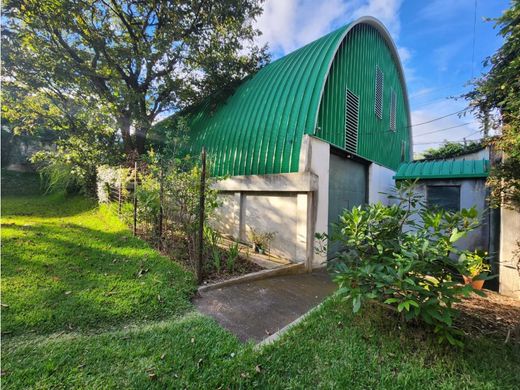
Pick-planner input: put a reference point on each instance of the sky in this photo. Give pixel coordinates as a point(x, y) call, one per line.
point(442, 45)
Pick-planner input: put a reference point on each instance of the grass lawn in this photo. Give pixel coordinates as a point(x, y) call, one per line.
point(89, 306)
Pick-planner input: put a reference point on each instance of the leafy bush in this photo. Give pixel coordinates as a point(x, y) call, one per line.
point(474, 263)
point(403, 256)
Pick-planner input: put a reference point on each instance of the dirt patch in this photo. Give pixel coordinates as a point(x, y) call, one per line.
point(493, 315)
point(242, 266)
point(215, 268)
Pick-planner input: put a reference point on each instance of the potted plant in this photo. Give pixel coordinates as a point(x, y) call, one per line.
point(261, 240)
point(474, 265)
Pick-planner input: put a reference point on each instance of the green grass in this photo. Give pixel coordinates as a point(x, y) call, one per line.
point(80, 315)
point(67, 265)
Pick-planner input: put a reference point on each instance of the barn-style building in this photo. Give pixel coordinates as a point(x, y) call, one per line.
point(322, 129)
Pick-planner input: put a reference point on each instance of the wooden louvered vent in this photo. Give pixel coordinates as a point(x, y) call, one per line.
point(351, 121)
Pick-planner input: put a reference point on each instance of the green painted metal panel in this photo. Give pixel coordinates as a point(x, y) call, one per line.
point(443, 169)
point(354, 67)
point(259, 129)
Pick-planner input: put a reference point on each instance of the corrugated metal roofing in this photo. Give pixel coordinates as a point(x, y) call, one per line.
point(443, 169)
point(259, 129)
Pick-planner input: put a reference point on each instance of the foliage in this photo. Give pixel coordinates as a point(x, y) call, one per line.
point(402, 255)
point(148, 336)
point(212, 240)
point(474, 263)
point(233, 253)
point(495, 99)
point(452, 149)
point(135, 60)
point(77, 132)
point(261, 240)
point(72, 165)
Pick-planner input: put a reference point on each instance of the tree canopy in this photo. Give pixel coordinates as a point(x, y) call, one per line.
point(452, 149)
point(124, 63)
point(495, 98)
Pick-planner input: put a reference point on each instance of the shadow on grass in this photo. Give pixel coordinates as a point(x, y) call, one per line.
point(46, 206)
point(70, 277)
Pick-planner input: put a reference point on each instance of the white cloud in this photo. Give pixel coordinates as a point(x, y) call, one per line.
point(289, 24)
point(428, 135)
point(387, 11)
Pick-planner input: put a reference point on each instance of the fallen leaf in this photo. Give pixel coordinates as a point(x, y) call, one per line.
point(193, 339)
point(162, 356)
point(152, 376)
point(199, 363)
point(258, 368)
point(68, 292)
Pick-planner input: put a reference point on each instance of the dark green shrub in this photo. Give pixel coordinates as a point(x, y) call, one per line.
point(403, 256)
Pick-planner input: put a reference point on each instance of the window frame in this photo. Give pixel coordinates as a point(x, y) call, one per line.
point(437, 186)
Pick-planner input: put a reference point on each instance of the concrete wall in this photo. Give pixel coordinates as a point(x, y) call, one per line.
point(315, 158)
point(483, 154)
point(381, 182)
point(509, 274)
point(269, 203)
point(293, 205)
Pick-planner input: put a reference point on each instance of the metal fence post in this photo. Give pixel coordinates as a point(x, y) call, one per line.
point(119, 194)
point(135, 199)
point(161, 195)
point(201, 214)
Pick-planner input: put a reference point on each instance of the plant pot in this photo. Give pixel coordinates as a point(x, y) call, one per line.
point(476, 284)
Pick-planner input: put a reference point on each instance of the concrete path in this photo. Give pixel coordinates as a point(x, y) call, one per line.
point(255, 310)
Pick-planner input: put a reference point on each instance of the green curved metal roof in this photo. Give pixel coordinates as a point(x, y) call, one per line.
point(275, 108)
point(259, 129)
point(443, 169)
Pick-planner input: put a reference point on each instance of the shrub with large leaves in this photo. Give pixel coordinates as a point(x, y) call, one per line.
point(403, 255)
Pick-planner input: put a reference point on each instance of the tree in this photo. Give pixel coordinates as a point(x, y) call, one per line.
point(135, 59)
point(495, 99)
point(81, 132)
point(452, 149)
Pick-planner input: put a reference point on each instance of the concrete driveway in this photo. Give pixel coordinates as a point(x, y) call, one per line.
point(255, 310)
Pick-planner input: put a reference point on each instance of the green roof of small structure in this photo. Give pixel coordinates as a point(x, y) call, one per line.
point(443, 169)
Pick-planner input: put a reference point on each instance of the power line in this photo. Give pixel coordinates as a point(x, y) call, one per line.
point(446, 128)
point(439, 118)
point(446, 141)
point(379, 133)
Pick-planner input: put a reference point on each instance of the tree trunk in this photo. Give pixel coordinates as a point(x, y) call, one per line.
point(124, 123)
point(140, 138)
